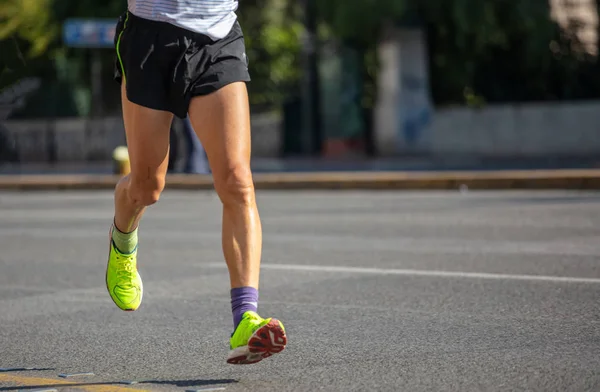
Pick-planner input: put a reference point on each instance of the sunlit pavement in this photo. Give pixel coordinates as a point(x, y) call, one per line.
point(383, 291)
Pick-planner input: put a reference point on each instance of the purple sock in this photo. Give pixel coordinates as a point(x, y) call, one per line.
point(243, 299)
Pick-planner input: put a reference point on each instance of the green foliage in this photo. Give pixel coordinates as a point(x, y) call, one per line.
point(272, 30)
point(480, 50)
point(503, 51)
point(360, 21)
point(30, 21)
point(30, 39)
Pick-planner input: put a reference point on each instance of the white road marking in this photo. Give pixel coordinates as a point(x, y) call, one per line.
point(413, 272)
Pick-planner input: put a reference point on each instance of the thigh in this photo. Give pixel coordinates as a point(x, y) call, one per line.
point(219, 110)
point(147, 132)
point(222, 122)
point(145, 116)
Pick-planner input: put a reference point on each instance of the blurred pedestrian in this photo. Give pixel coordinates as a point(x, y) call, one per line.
point(173, 149)
point(8, 148)
point(196, 161)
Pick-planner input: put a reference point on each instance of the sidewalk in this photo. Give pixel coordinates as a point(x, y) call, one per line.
point(307, 174)
point(311, 165)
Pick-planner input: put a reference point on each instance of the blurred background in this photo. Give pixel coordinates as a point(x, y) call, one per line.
point(337, 85)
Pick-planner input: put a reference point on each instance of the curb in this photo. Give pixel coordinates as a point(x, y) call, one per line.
point(523, 179)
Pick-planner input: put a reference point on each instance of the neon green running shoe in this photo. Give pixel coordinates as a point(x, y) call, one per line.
point(123, 281)
point(256, 338)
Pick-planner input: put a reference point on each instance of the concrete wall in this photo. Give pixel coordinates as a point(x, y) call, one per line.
point(77, 140)
point(404, 124)
point(534, 130)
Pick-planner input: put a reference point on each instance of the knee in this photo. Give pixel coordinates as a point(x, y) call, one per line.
point(235, 186)
point(145, 192)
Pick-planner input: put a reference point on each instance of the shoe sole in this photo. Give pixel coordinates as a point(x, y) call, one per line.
point(106, 278)
point(267, 340)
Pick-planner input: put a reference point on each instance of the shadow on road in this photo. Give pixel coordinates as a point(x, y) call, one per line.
point(177, 383)
point(191, 383)
point(25, 369)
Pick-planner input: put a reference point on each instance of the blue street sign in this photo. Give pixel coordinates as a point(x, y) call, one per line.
point(89, 33)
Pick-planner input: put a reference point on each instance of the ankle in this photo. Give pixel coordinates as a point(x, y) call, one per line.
point(126, 243)
point(243, 299)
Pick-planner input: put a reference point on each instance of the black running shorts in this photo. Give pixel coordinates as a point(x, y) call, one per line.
point(164, 66)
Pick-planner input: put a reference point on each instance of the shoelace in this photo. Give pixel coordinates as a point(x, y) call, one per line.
point(125, 267)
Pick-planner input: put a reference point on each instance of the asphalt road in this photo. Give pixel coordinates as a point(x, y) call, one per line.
point(378, 291)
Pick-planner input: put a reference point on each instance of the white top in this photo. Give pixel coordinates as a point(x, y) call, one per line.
point(213, 18)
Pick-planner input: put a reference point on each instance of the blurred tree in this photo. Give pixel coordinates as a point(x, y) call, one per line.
point(503, 51)
point(31, 40)
point(30, 32)
point(26, 32)
point(360, 21)
point(481, 50)
point(29, 21)
point(272, 30)
point(360, 25)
